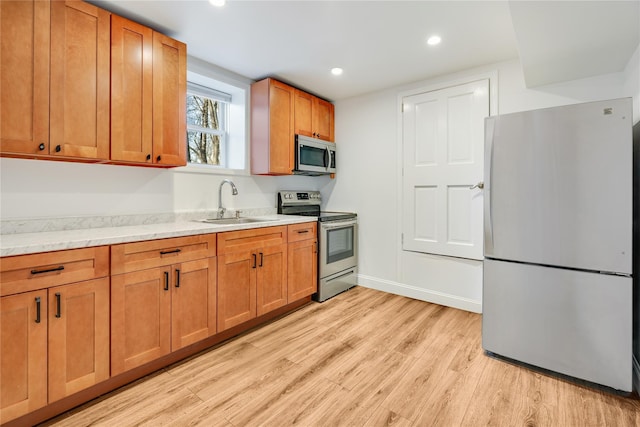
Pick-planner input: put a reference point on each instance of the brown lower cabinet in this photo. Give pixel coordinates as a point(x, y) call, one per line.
point(302, 270)
point(55, 343)
point(155, 311)
point(252, 268)
point(70, 331)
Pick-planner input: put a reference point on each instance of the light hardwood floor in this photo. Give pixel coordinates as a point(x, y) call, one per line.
point(363, 358)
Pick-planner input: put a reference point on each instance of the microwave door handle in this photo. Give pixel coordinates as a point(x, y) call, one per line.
point(328, 158)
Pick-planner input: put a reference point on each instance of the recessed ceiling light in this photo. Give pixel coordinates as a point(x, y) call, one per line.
point(336, 71)
point(218, 3)
point(434, 40)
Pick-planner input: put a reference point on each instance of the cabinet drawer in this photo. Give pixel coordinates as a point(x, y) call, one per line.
point(247, 240)
point(302, 231)
point(129, 257)
point(25, 273)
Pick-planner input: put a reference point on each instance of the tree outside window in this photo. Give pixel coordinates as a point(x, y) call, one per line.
point(207, 113)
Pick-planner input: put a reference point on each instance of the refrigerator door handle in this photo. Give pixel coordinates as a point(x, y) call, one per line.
point(488, 161)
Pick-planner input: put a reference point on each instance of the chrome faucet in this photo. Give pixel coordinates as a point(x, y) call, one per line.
point(234, 191)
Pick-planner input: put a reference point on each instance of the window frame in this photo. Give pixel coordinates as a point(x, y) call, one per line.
point(236, 149)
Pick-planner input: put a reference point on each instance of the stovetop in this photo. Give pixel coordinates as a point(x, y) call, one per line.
point(307, 203)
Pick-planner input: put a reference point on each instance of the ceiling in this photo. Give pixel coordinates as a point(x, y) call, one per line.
point(381, 44)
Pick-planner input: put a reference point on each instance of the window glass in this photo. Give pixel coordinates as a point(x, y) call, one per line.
point(206, 126)
point(216, 122)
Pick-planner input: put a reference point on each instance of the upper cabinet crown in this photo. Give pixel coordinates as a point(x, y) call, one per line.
point(279, 112)
point(78, 83)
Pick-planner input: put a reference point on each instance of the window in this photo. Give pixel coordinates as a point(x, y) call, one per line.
point(207, 113)
point(216, 121)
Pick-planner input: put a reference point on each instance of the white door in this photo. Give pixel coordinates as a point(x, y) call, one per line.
point(443, 140)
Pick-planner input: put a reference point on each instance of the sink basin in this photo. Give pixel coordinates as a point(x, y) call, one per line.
point(225, 221)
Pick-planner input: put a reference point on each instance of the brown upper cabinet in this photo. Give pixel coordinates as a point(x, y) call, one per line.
point(272, 133)
point(55, 79)
point(313, 116)
point(24, 76)
point(58, 61)
point(148, 96)
point(278, 113)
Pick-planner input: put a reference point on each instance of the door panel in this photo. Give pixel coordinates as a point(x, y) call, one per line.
point(271, 278)
point(573, 322)
point(560, 186)
point(169, 101)
point(80, 79)
point(193, 303)
point(140, 318)
point(24, 81)
point(442, 159)
point(302, 269)
point(236, 288)
point(131, 91)
point(23, 345)
point(78, 337)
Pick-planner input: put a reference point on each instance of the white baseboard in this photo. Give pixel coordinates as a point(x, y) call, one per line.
point(419, 293)
point(636, 374)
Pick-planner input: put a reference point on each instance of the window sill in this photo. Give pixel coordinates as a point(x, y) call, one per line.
point(211, 170)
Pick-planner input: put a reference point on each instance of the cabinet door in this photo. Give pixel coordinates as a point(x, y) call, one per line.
point(193, 302)
point(78, 337)
point(303, 113)
point(131, 91)
point(24, 76)
point(303, 270)
point(236, 288)
point(80, 79)
point(140, 318)
point(281, 128)
point(169, 101)
point(271, 278)
point(23, 345)
point(323, 119)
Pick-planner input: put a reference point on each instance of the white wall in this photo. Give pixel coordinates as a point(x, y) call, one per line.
point(368, 138)
point(40, 189)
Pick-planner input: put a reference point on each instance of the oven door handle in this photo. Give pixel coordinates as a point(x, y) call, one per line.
point(334, 226)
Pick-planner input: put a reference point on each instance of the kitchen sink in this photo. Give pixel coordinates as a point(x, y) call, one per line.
point(226, 221)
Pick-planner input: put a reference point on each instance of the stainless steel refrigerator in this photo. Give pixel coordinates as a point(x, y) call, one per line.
point(557, 285)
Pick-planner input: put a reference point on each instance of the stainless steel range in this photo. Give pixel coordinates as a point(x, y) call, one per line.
point(337, 241)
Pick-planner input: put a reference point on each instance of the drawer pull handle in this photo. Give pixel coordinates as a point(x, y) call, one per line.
point(254, 260)
point(37, 309)
point(49, 270)
point(173, 251)
point(58, 314)
point(302, 231)
point(166, 280)
point(177, 278)
point(261, 259)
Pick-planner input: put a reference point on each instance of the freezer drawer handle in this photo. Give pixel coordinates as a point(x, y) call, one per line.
point(479, 185)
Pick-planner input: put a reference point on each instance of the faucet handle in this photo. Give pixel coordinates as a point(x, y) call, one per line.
point(238, 211)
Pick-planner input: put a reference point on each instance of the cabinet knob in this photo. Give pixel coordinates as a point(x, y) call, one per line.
point(41, 147)
point(58, 148)
point(148, 157)
point(158, 158)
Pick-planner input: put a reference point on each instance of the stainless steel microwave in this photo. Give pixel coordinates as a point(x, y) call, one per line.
point(314, 156)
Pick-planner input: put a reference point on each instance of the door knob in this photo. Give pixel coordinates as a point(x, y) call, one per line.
point(479, 185)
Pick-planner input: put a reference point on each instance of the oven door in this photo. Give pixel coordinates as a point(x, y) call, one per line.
point(338, 246)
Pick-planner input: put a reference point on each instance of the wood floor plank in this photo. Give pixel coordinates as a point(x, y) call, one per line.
point(382, 417)
point(361, 358)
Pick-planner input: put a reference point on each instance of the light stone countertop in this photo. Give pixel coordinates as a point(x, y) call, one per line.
point(29, 243)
